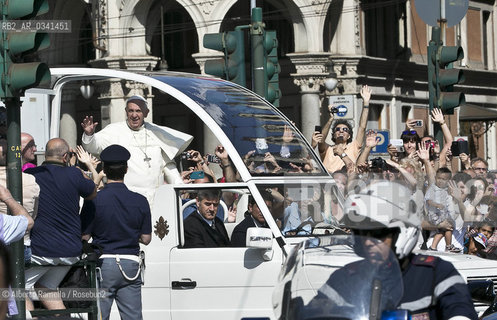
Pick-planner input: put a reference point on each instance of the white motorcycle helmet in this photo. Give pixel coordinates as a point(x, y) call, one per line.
point(384, 204)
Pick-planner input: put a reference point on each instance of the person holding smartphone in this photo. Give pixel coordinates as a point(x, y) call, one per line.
point(342, 135)
point(317, 137)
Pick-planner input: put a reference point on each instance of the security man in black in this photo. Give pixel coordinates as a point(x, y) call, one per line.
point(118, 220)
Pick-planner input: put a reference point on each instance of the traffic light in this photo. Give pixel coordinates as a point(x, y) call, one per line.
point(442, 76)
point(14, 45)
point(447, 77)
point(232, 66)
point(272, 67)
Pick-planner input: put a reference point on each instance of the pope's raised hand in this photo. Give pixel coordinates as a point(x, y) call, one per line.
point(88, 125)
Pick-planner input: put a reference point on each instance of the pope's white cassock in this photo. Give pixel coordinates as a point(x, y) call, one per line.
point(152, 150)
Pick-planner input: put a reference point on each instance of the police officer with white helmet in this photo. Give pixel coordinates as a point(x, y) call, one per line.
point(433, 289)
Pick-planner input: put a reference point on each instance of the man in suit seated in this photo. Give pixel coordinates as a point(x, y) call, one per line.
point(253, 218)
point(203, 229)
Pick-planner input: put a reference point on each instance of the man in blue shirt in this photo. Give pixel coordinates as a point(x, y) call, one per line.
point(56, 236)
point(129, 215)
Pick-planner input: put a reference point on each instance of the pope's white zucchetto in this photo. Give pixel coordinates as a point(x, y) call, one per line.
point(139, 98)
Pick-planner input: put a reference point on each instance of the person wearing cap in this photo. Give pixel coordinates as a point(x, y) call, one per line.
point(129, 215)
point(152, 147)
point(56, 235)
point(476, 244)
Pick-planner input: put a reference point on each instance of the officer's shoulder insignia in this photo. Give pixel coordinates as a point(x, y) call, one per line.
point(161, 228)
point(422, 260)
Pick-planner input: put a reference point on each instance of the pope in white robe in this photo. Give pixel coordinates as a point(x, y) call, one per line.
point(152, 147)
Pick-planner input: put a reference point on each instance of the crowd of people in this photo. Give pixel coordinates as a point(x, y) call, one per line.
point(55, 228)
point(460, 206)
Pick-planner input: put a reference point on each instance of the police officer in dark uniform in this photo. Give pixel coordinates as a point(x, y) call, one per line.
point(433, 289)
point(349, 291)
point(118, 220)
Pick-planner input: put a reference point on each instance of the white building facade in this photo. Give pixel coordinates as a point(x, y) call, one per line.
point(379, 43)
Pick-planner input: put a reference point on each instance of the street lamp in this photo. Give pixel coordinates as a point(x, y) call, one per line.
point(86, 89)
point(331, 82)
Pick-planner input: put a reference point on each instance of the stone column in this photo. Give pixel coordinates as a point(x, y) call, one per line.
point(312, 70)
point(68, 124)
point(210, 144)
point(210, 140)
point(347, 38)
point(311, 105)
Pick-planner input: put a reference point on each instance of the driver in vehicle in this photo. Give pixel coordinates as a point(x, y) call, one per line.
point(203, 229)
point(433, 289)
point(253, 218)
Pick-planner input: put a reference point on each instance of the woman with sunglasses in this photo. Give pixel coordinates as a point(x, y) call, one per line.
point(410, 141)
point(341, 135)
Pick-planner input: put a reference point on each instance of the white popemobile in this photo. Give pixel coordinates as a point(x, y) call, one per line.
point(229, 283)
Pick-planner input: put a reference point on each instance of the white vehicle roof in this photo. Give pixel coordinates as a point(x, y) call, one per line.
point(242, 121)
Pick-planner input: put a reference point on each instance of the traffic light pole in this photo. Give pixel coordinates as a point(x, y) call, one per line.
point(437, 129)
point(15, 77)
point(257, 39)
point(446, 75)
point(433, 79)
point(14, 184)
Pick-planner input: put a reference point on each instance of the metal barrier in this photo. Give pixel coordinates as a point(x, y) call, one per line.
point(92, 310)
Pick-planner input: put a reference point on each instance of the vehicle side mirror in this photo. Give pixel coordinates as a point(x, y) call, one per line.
point(261, 238)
